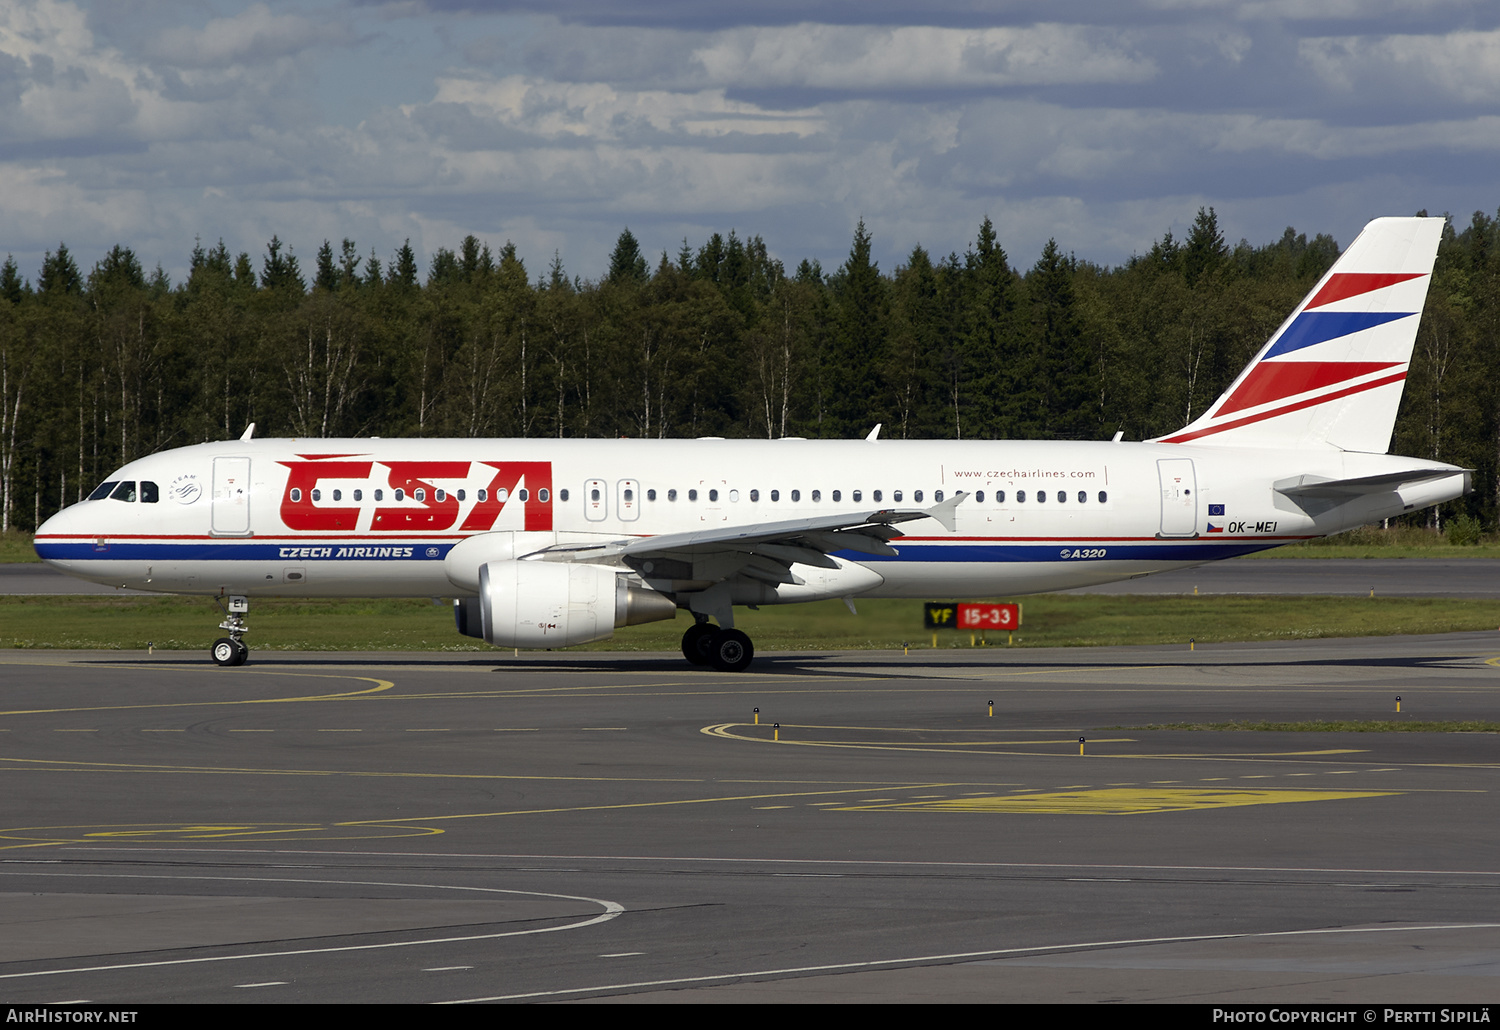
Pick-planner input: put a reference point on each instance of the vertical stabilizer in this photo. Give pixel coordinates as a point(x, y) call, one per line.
point(1332, 375)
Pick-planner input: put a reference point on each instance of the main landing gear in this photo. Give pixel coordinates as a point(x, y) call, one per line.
point(727, 650)
point(231, 650)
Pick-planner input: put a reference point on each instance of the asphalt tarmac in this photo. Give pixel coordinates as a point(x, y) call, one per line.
point(429, 828)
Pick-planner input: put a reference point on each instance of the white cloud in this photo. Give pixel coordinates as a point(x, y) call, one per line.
point(844, 57)
point(599, 111)
point(252, 36)
point(1464, 65)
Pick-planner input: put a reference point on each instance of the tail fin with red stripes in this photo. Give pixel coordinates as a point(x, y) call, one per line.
point(1332, 375)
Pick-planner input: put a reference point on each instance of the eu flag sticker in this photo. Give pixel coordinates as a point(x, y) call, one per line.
point(1216, 510)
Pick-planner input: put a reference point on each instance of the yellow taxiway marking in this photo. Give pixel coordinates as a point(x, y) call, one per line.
point(758, 735)
point(1119, 801)
point(380, 685)
point(359, 829)
point(58, 765)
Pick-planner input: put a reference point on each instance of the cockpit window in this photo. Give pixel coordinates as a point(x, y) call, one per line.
point(124, 492)
point(102, 490)
point(149, 492)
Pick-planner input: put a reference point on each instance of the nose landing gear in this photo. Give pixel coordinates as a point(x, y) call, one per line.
point(231, 650)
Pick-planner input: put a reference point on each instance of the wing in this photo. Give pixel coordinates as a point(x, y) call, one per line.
point(765, 551)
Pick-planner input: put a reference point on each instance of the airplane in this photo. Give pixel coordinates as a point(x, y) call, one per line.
point(551, 543)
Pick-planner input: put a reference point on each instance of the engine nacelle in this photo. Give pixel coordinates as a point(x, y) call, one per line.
point(556, 604)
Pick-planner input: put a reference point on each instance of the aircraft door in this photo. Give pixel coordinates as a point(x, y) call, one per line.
point(231, 504)
point(1179, 497)
point(595, 503)
point(628, 504)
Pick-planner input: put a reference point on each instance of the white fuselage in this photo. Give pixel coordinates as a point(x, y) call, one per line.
point(371, 517)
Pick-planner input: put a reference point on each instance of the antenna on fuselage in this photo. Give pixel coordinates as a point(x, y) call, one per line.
point(249, 432)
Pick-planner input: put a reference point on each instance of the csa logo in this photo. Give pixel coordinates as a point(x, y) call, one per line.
point(185, 489)
point(432, 552)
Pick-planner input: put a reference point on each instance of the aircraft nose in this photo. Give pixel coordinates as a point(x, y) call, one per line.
point(52, 534)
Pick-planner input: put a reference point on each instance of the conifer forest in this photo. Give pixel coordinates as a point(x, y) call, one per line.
point(104, 365)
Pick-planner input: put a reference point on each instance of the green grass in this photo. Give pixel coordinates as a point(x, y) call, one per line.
point(15, 546)
point(130, 622)
point(1330, 726)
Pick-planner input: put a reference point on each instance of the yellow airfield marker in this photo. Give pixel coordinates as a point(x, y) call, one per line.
point(1080, 747)
point(757, 717)
point(776, 731)
point(1398, 702)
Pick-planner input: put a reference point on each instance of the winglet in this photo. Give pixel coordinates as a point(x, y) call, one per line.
point(874, 433)
point(249, 431)
point(944, 512)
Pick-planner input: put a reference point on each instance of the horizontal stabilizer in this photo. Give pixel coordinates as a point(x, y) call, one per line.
point(1321, 487)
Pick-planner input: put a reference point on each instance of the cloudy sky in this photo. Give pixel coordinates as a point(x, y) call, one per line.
point(1101, 123)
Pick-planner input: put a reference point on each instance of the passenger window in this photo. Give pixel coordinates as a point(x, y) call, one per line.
point(651, 495)
point(380, 495)
point(523, 494)
point(1062, 496)
point(502, 495)
point(359, 495)
point(461, 496)
point(317, 495)
point(999, 496)
point(102, 490)
point(338, 495)
point(1103, 497)
point(858, 496)
point(1020, 496)
point(734, 496)
point(713, 495)
point(979, 497)
point(1041, 496)
point(419, 493)
point(440, 495)
point(149, 492)
point(1083, 496)
point(896, 496)
point(562, 495)
point(296, 495)
point(400, 494)
point(692, 495)
point(629, 494)
point(875, 494)
point(916, 496)
point(594, 494)
point(671, 495)
point(755, 495)
point(796, 495)
point(937, 496)
point(542, 495)
point(775, 495)
point(483, 494)
point(817, 495)
point(836, 495)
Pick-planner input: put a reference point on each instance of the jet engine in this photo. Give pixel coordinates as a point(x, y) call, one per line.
point(556, 604)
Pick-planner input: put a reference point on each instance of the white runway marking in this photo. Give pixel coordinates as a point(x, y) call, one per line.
point(611, 910)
